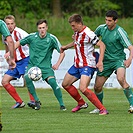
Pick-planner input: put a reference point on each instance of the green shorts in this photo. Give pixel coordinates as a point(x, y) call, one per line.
point(110, 67)
point(46, 72)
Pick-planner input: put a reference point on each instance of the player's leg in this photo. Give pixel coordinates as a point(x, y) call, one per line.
point(99, 82)
point(126, 88)
point(12, 91)
point(31, 89)
point(84, 83)
point(98, 89)
point(69, 79)
point(21, 67)
point(57, 91)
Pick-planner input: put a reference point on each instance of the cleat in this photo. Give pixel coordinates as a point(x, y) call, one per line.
point(130, 109)
point(18, 105)
point(95, 111)
point(31, 104)
point(77, 108)
point(37, 105)
point(103, 112)
point(63, 108)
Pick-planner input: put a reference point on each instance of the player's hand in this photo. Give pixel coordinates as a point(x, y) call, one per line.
point(127, 62)
point(55, 67)
point(7, 55)
point(11, 63)
point(100, 66)
point(62, 49)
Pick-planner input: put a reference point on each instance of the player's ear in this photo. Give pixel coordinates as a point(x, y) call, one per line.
point(116, 20)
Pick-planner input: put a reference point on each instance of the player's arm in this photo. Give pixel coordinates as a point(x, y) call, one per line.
point(60, 59)
point(63, 48)
point(129, 60)
point(101, 46)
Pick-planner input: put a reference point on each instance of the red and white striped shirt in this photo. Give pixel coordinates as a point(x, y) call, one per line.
point(22, 51)
point(84, 42)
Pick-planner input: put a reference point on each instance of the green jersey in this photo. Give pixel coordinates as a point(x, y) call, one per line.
point(41, 49)
point(3, 29)
point(115, 41)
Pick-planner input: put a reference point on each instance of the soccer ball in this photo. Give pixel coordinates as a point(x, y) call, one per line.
point(34, 73)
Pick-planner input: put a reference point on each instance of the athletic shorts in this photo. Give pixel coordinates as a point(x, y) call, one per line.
point(77, 72)
point(20, 68)
point(110, 67)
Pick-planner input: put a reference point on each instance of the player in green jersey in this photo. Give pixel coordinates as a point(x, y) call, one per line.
point(5, 32)
point(41, 46)
point(116, 39)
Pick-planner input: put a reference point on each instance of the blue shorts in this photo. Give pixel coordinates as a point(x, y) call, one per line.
point(77, 72)
point(20, 68)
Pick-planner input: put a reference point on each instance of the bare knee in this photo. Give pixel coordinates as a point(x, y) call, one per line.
point(97, 89)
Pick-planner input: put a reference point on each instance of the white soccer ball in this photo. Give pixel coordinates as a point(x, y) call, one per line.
point(35, 73)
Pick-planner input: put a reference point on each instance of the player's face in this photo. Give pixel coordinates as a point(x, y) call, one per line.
point(42, 29)
point(10, 24)
point(110, 22)
point(76, 27)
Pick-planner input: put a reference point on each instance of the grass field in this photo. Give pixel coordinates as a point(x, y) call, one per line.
point(49, 119)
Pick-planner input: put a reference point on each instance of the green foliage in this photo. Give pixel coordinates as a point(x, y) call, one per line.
point(49, 119)
point(5, 8)
point(93, 8)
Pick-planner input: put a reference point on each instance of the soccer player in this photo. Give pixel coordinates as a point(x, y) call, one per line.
point(21, 59)
point(84, 64)
point(5, 32)
point(41, 45)
point(116, 39)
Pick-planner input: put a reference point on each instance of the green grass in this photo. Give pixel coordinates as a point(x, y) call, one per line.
point(49, 119)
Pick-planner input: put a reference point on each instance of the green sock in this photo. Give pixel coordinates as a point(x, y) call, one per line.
point(56, 89)
point(129, 95)
point(31, 87)
point(100, 96)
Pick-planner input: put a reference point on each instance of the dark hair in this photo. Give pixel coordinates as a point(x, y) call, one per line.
point(112, 13)
point(42, 21)
point(75, 18)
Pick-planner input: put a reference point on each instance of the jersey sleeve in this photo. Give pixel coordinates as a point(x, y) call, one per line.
point(56, 42)
point(123, 37)
point(99, 30)
point(93, 38)
point(3, 29)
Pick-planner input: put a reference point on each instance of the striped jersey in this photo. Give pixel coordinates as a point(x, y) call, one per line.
point(115, 41)
point(22, 51)
point(84, 42)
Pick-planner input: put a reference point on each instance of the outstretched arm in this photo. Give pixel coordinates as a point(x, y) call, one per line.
point(63, 48)
point(60, 59)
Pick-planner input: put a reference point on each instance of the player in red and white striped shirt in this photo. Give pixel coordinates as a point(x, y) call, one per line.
point(21, 58)
point(84, 64)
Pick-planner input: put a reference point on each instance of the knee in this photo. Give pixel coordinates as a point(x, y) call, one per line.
point(4, 82)
point(97, 89)
point(65, 84)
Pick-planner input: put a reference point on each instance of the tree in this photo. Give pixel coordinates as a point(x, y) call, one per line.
point(56, 8)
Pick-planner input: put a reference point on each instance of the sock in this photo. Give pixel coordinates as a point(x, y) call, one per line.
point(31, 97)
point(12, 91)
point(93, 99)
point(57, 90)
point(31, 87)
point(129, 95)
point(100, 96)
point(75, 94)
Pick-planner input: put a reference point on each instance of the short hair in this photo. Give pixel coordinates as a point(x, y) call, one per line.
point(9, 17)
point(41, 21)
point(112, 13)
point(75, 18)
